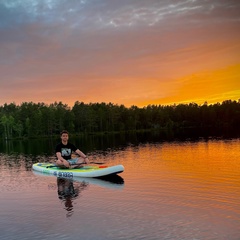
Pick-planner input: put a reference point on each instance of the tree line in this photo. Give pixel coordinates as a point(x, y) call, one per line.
point(39, 119)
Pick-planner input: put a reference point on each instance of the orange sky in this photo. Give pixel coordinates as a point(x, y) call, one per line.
point(124, 52)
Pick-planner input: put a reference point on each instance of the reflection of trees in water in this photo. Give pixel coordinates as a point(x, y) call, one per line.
point(21, 161)
point(16, 161)
point(68, 191)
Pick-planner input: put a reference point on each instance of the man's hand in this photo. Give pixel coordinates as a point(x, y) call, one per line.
point(86, 160)
point(66, 163)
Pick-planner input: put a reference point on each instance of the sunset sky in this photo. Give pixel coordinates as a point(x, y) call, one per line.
point(130, 52)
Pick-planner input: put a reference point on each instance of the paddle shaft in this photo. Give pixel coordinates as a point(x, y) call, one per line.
point(78, 164)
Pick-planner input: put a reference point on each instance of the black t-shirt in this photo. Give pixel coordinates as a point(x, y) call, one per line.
point(66, 150)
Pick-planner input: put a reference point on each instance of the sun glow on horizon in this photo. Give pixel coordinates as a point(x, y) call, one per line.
point(208, 86)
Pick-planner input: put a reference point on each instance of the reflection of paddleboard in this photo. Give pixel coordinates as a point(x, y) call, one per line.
point(85, 171)
point(114, 181)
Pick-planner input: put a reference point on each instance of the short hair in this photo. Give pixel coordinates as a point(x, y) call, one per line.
point(64, 131)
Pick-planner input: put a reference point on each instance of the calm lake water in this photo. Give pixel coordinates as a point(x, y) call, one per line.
point(169, 190)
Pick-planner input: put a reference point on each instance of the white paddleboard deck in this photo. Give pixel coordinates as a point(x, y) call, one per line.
point(85, 171)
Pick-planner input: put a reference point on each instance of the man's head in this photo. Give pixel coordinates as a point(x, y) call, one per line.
point(64, 136)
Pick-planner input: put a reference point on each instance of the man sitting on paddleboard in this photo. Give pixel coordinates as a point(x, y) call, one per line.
point(64, 152)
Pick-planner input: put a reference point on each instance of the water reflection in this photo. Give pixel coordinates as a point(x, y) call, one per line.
point(68, 192)
point(70, 189)
point(114, 179)
point(170, 190)
point(90, 143)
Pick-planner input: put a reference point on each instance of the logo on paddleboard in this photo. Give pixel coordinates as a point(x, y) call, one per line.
point(63, 174)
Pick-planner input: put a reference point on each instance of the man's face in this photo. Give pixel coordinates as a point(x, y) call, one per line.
point(64, 137)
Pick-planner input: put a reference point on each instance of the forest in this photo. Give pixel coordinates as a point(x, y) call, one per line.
point(29, 120)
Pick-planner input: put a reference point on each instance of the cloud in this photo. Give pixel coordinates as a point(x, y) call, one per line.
point(108, 13)
point(111, 44)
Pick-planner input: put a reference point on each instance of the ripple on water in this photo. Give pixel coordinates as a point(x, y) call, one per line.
point(170, 191)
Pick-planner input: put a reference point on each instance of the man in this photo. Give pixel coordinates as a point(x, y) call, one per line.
point(64, 152)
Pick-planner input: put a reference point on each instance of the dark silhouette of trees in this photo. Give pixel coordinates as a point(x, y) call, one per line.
point(38, 119)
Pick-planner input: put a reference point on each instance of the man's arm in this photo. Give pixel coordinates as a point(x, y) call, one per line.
point(62, 160)
point(82, 155)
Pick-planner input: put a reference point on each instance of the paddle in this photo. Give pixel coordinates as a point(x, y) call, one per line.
point(77, 165)
point(99, 163)
point(96, 163)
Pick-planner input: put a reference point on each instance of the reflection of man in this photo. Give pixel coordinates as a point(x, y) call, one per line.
point(67, 192)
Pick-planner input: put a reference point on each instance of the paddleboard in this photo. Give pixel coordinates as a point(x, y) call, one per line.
point(85, 171)
point(111, 181)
